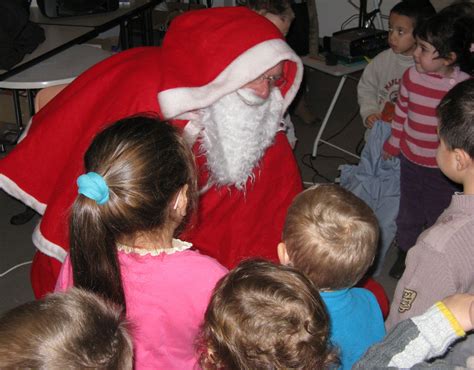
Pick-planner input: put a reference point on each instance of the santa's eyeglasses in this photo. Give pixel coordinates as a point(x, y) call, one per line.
point(273, 81)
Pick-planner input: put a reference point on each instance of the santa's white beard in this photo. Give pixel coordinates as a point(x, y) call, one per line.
point(236, 135)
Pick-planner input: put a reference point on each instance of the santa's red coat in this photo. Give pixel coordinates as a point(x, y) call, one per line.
point(205, 55)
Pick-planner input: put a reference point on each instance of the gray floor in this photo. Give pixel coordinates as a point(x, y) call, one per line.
point(15, 241)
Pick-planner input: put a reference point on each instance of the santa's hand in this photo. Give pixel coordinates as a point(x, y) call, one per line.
point(371, 119)
point(462, 308)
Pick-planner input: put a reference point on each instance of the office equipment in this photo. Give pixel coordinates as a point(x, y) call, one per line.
point(68, 8)
point(359, 42)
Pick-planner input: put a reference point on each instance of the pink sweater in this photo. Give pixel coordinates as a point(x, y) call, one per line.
point(166, 296)
point(414, 125)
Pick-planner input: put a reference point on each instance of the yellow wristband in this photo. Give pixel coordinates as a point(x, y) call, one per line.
point(450, 317)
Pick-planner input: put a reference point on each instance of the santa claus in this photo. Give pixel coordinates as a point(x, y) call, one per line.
point(225, 76)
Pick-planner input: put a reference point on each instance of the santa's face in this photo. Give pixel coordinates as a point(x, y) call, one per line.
point(264, 84)
point(236, 133)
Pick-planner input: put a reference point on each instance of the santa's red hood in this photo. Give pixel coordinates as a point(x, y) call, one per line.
point(229, 48)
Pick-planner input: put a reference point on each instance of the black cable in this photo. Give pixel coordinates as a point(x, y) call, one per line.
point(348, 20)
point(354, 5)
point(343, 127)
point(360, 146)
point(311, 166)
point(307, 159)
point(336, 157)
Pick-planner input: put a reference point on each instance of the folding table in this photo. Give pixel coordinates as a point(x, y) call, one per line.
point(339, 70)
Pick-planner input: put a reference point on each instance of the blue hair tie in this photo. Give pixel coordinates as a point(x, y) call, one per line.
point(93, 186)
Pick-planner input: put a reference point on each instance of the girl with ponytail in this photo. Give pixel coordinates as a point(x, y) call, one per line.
point(138, 188)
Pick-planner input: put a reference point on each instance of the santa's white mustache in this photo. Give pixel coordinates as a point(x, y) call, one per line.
point(248, 97)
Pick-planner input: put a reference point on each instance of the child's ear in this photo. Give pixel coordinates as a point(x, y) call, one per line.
point(283, 254)
point(181, 202)
point(463, 159)
point(451, 58)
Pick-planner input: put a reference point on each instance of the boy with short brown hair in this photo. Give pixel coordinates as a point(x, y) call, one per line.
point(331, 236)
point(77, 329)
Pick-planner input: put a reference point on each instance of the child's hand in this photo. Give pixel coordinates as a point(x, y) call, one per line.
point(462, 307)
point(386, 156)
point(370, 120)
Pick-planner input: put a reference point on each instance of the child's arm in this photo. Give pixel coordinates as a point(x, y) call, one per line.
point(372, 118)
point(462, 307)
point(422, 337)
point(392, 145)
point(367, 92)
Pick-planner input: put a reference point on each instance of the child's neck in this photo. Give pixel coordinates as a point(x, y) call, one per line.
point(468, 186)
point(161, 240)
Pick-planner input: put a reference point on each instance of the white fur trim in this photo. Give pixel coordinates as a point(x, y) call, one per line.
point(47, 247)
point(178, 245)
point(16, 192)
point(40, 242)
point(192, 131)
point(25, 131)
point(261, 57)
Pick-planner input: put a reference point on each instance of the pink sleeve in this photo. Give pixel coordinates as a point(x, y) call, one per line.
point(392, 145)
point(65, 279)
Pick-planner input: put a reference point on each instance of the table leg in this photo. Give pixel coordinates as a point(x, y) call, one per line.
point(31, 102)
point(328, 115)
point(25, 216)
point(143, 28)
point(124, 36)
point(16, 104)
point(339, 148)
point(149, 27)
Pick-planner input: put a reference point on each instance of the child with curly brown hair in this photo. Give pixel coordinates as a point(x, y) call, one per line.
point(265, 316)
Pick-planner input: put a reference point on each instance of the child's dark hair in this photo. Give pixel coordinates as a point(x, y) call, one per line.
point(450, 34)
point(459, 9)
point(145, 164)
point(265, 316)
point(277, 7)
point(456, 117)
point(72, 330)
point(418, 10)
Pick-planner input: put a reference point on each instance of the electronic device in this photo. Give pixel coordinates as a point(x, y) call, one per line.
point(358, 42)
point(68, 8)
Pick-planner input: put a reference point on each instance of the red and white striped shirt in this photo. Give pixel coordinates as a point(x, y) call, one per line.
point(414, 124)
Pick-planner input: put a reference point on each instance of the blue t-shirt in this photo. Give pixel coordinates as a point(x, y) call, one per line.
point(356, 322)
